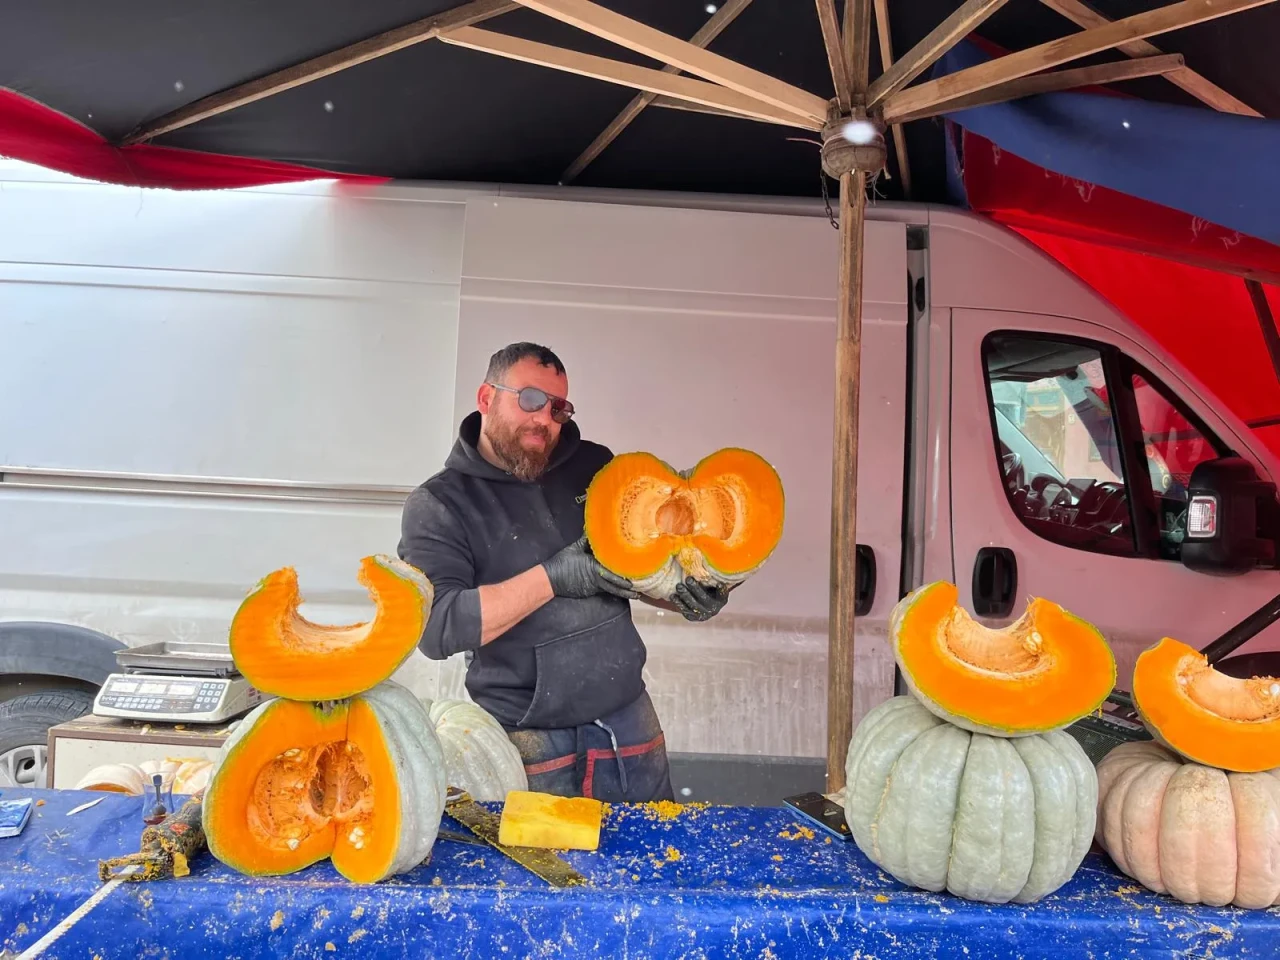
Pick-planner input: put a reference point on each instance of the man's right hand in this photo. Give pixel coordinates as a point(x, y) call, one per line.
point(574, 572)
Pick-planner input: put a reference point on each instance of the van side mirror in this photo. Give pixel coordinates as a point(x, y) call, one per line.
point(1233, 519)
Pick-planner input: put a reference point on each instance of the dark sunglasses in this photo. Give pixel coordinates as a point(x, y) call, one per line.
point(532, 400)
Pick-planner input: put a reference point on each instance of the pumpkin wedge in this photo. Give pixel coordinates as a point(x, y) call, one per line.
point(283, 654)
point(717, 523)
point(361, 782)
point(1209, 718)
point(1040, 673)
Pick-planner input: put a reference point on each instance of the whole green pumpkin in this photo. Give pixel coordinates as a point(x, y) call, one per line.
point(985, 818)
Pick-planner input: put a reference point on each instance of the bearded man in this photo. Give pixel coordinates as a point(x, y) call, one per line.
point(552, 652)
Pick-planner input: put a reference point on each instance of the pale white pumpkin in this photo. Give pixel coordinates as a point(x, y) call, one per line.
point(1197, 833)
point(115, 778)
point(986, 818)
point(479, 757)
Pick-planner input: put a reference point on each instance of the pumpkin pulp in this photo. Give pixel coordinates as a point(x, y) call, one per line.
point(1040, 673)
point(282, 653)
point(1210, 718)
point(726, 515)
point(305, 784)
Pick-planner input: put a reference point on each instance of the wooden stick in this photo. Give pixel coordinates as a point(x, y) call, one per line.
point(1185, 13)
point(938, 41)
point(844, 479)
point(672, 103)
point(642, 38)
point(1049, 82)
point(710, 30)
point(321, 66)
point(625, 74)
point(886, 61)
point(858, 44)
point(1193, 83)
point(1266, 322)
point(835, 52)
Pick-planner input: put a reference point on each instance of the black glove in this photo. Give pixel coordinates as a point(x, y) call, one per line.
point(697, 602)
point(574, 572)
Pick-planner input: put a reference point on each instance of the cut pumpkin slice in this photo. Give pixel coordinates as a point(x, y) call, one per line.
point(717, 523)
point(1206, 716)
point(283, 654)
point(1040, 673)
point(360, 782)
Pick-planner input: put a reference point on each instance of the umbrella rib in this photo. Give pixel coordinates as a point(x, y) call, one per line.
point(886, 61)
point(625, 74)
point(1052, 81)
point(857, 44)
point(1203, 89)
point(703, 38)
point(835, 52)
point(370, 48)
point(937, 42)
point(641, 38)
point(917, 99)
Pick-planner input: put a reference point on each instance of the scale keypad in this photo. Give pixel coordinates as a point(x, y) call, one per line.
point(185, 697)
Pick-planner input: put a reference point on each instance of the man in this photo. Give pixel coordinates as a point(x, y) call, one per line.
point(552, 651)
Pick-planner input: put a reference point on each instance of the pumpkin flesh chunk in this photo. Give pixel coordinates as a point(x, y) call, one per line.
point(1210, 718)
point(720, 521)
point(307, 785)
point(1042, 672)
point(282, 653)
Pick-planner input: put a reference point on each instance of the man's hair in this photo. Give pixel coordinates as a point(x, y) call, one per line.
point(513, 353)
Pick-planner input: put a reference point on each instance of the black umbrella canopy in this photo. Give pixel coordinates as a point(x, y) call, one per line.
point(441, 112)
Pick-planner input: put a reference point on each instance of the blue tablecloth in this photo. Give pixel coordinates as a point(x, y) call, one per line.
point(710, 882)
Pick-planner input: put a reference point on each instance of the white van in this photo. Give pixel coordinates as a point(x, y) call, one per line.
point(199, 388)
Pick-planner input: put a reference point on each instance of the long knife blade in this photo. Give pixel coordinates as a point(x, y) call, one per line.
point(485, 825)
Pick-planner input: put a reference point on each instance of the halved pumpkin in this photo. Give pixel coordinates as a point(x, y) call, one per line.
point(1040, 673)
point(654, 525)
point(283, 654)
point(361, 782)
point(1210, 718)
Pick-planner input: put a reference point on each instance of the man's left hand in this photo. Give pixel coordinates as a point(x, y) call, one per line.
point(697, 602)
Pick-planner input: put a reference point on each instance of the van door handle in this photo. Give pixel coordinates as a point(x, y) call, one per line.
point(864, 591)
point(995, 582)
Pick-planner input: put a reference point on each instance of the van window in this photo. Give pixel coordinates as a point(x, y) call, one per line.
point(1055, 428)
point(1174, 447)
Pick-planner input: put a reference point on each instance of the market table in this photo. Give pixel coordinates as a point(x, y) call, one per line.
point(668, 882)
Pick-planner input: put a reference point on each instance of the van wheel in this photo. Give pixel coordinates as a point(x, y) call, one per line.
point(24, 732)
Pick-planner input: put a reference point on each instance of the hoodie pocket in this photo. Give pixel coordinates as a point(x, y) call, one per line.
point(585, 675)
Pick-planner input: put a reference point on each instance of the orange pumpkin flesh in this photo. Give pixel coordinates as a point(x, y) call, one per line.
point(720, 523)
point(1042, 672)
point(283, 654)
point(1209, 718)
point(304, 786)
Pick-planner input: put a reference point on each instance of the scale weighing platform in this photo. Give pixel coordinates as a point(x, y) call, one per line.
point(176, 682)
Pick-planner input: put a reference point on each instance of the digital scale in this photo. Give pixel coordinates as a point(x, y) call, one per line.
point(176, 682)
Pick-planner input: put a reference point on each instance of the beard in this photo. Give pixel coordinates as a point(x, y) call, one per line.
point(522, 463)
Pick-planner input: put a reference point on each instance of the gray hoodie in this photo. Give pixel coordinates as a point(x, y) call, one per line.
point(570, 661)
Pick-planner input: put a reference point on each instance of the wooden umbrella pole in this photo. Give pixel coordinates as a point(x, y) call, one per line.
point(844, 477)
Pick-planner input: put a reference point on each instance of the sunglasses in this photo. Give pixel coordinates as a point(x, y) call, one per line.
point(532, 400)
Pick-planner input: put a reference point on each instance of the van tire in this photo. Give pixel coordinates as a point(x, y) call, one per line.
point(24, 732)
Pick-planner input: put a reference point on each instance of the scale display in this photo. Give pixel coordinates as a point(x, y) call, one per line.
point(194, 699)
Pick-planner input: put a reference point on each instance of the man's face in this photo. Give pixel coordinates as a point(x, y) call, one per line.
point(522, 441)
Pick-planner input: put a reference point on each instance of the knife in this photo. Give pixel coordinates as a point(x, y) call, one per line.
point(485, 825)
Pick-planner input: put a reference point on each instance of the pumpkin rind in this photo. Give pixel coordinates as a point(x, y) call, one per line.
point(1196, 833)
point(478, 756)
point(1041, 673)
point(1207, 717)
point(717, 523)
point(282, 654)
point(985, 818)
point(260, 812)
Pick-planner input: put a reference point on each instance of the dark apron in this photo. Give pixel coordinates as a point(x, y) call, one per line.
point(619, 758)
